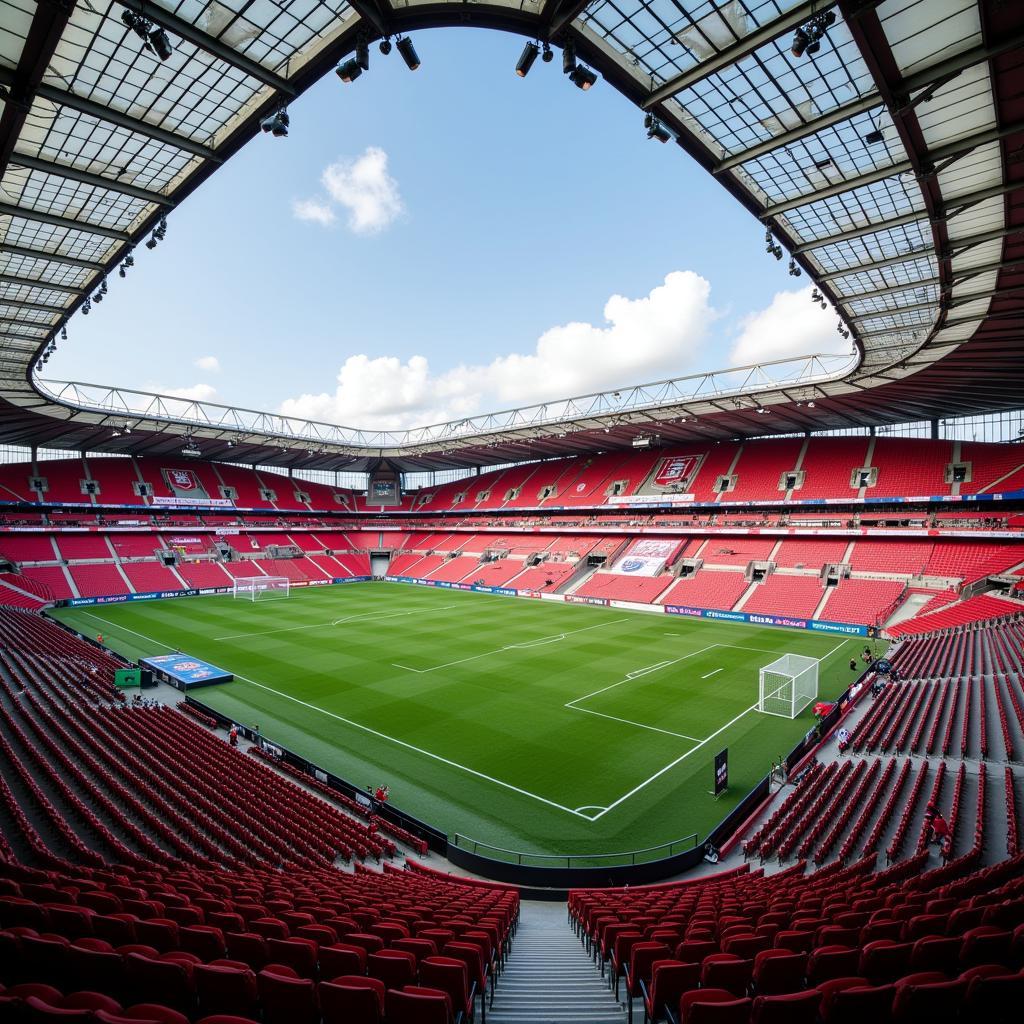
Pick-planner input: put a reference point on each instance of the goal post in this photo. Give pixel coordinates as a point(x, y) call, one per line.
point(260, 588)
point(788, 685)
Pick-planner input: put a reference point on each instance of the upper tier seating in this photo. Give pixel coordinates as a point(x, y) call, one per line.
point(810, 553)
point(760, 468)
point(730, 550)
point(52, 577)
point(28, 547)
point(116, 479)
point(896, 556)
point(828, 465)
point(910, 468)
point(455, 569)
point(83, 545)
point(135, 545)
point(972, 560)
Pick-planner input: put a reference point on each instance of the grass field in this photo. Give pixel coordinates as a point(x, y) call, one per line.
point(532, 725)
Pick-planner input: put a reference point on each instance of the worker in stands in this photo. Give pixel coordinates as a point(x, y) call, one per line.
point(233, 736)
point(940, 830)
point(99, 638)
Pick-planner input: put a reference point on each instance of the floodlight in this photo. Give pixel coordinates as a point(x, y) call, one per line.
point(874, 137)
point(276, 124)
point(349, 71)
point(582, 77)
point(568, 58)
point(363, 53)
point(408, 52)
point(547, 56)
point(526, 59)
point(801, 40)
point(385, 46)
point(656, 130)
point(161, 43)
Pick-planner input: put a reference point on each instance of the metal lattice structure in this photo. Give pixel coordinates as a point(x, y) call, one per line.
point(886, 164)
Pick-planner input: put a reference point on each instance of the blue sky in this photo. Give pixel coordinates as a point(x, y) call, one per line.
point(481, 224)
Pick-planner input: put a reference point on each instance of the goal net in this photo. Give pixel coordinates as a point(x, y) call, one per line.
point(260, 588)
point(788, 685)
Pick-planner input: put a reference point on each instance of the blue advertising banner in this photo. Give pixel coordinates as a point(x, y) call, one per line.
point(786, 621)
point(186, 670)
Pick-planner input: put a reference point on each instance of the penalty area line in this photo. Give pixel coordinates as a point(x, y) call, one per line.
point(710, 674)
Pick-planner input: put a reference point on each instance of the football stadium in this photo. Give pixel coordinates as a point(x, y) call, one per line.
point(519, 689)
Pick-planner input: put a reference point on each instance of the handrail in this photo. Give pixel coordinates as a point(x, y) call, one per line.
point(567, 859)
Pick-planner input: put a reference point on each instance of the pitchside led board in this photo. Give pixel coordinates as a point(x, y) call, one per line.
point(721, 771)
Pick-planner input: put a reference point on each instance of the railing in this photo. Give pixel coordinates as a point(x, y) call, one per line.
point(575, 860)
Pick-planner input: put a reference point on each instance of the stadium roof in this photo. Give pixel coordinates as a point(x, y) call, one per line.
point(887, 159)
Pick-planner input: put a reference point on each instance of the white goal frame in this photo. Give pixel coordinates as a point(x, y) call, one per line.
point(788, 685)
point(265, 588)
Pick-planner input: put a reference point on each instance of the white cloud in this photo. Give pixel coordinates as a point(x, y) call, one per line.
point(792, 325)
point(641, 340)
point(314, 210)
point(361, 186)
point(211, 364)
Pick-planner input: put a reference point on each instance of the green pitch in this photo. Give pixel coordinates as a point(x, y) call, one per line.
point(531, 725)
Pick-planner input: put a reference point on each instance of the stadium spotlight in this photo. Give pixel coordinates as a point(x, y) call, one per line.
point(547, 56)
point(385, 46)
point(807, 38)
point(64, 333)
point(655, 129)
point(526, 59)
point(363, 52)
point(349, 71)
point(408, 52)
point(154, 38)
point(794, 270)
point(277, 123)
point(86, 306)
point(582, 77)
point(875, 136)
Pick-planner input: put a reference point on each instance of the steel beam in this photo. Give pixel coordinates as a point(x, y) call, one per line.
point(9, 210)
point(111, 116)
point(50, 257)
point(35, 282)
point(87, 178)
point(213, 46)
point(737, 51)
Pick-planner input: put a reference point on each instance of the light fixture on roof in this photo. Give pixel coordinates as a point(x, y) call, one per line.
point(277, 123)
point(582, 77)
point(349, 71)
point(526, 58)
point(191, 449)
point(64, 333)
point(807, 38)
point(842, 330)
point(568, 57)
point(126, 264)
point(362, 52)
point(655, 129)
point(770, 245)
point(875, 136)
point(86, 306)
point(547, 56)
point(385, 46)
point(794, 270)
point(408, 52)
point(153, 37)
point(762, 411)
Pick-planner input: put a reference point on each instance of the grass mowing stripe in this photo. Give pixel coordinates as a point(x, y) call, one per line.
point(335, 696)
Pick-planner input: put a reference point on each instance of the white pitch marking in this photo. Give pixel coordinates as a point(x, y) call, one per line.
point(374, 732)
point(644, 671)
point(678, 760)
point(629, 678)
point(639, 725)
point(114, 625)
point(710, 674)
point(509, 647)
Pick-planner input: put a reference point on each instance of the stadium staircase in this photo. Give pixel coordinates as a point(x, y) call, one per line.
point(549, 979)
